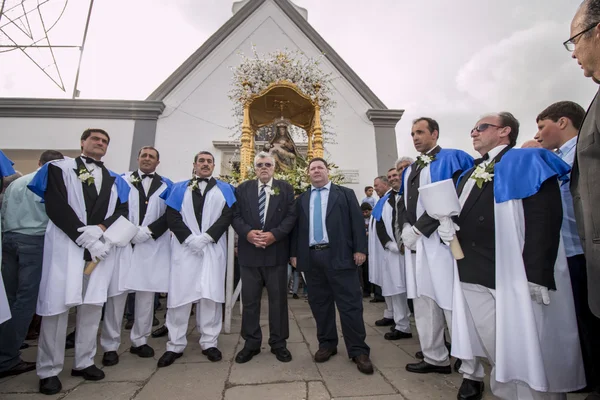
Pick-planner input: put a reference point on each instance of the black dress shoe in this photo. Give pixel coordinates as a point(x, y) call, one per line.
point(426, 368)
point(143, 351)
point(397, 335)
point(50, 385)
point(457, 364)
point(377, 300)
point(213, 354)
point(70, 342)
point(91, 373)
point(128, 324)
point(160, 332)
point(246, 355)
point(419, 355)
point(323, 355)
point(20, 368)
point(282, 354)
point(110, 358)
point(24, 346)
point(470, 390)
point(295, 296)
point(155, 321)
point(168, 358)
point(385, 322)
point(364, 364)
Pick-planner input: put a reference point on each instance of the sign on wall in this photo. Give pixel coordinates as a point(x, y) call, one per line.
point(350, 175)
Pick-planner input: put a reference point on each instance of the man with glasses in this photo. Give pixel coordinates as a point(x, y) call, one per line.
point(263, 219)
point(429, 263)
point(199, 211)
point(585, 185)
point(514, 276)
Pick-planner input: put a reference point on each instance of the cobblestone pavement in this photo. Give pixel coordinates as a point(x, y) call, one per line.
point(194, 377)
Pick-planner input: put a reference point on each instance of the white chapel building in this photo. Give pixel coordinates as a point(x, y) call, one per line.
point(190, 111)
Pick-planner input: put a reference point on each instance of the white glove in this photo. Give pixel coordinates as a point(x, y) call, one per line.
point(410, 236)
point(197, 243)
point(392, 246)
point(539, 293)
point(89, 234)
point(447, 229)
point(99, 250)
point(142, 235)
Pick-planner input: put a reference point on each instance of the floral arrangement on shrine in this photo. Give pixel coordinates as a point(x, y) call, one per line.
point(254, 74)
point(297, 177)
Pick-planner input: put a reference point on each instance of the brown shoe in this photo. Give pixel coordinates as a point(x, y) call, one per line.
point(363, 363)
point(323, 355)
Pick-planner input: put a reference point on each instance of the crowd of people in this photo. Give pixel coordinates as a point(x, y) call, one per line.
point(494, 249)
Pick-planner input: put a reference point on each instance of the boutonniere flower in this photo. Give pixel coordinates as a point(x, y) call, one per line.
point(85, 176)
point(483, 174)
point(134, 179)
point(273, 191)
point(193, 184)
point(424, 160)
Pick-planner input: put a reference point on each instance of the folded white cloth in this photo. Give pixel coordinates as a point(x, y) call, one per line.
point(120, 232)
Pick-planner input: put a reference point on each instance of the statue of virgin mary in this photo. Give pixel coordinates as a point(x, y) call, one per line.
point(282, 147)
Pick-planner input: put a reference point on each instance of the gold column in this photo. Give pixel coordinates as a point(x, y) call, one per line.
point(246, 150)
point(317, 140)
point(309, 152)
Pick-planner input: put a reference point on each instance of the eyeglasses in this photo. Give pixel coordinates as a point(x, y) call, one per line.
point(570, 44)
point(266, 165)
point(483, 127)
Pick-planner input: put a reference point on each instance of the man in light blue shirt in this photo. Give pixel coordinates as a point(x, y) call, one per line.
point(558, 126)
point(24, 223)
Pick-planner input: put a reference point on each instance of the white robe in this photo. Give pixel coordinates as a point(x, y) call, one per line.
point(62, 283)
point(4, 306)
point(149, 271)
point(386, 268)
point(196, 277)
point(429, 273)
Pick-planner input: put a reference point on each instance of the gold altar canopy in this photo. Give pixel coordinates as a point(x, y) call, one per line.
point(280, 100)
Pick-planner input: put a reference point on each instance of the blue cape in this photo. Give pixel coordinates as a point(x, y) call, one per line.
point(378, 209)
point(521, 172)
point(39, 184)
point(174, 194)
point(6, 166)
point(445, 165)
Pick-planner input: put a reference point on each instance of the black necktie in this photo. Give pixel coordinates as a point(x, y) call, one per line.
point(485, 157)
point(201, 179)
point(90, 160)
point(144, 176)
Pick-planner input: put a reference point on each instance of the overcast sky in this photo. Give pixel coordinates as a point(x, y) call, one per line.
point(451, 60)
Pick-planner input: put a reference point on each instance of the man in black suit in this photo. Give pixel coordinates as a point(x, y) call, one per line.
point(78, 200)
point(263, 219)
point(328, 244)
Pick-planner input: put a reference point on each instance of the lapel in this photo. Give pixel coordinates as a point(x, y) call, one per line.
point(156, 183)
point(305, 201)
point(333, 197)
point(273, 201)
point(416, 171)
point(104, 195)
point(252, 197)
point(139, 186)
point(211, 183)
point(575, 168)
point(90, 193)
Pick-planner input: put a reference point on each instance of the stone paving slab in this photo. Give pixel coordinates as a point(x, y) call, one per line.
point(104, 391)
point(317, 391)
point(288, 391)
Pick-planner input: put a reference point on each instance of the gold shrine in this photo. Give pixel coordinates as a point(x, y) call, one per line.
point(281, 100)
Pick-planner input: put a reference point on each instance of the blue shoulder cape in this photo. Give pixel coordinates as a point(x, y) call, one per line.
point(521, 172)
point(173, 196)
point(6, 166)
point(447, 162)
point(378, 209)
point(39, 184)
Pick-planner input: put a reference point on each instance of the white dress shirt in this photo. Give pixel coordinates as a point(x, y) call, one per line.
point(95, 171)
point(202, 184)
point(146, 182)
point(324, 200)
point(268, 189)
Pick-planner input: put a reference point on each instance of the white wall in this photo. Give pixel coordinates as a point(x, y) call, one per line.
point(64, 134)
point(198, 111)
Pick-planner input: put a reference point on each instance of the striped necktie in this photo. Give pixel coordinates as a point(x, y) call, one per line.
point(262, 202)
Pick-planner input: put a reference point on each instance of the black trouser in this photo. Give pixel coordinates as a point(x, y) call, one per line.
point(330, 287)
point(363, 272)
point(588, 324)
point(253, 281)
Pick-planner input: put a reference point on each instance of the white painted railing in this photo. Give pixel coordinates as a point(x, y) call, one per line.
point(231, 295)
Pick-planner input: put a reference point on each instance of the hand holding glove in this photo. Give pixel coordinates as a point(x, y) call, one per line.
point(447, 229)
point(142, 235)
point(392, 246)
point(89, 235)
point(410, 236)
point(99, 250)
point(539, 293)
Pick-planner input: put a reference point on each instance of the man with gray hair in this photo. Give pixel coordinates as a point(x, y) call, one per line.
point(263, 219)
